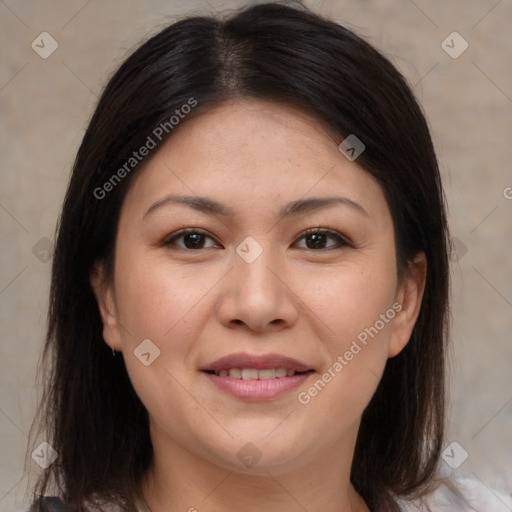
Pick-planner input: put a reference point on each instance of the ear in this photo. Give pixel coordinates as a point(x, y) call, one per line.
point(103, 290)
point(409, 296)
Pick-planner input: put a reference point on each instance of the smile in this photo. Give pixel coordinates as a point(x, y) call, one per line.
point(255, 374)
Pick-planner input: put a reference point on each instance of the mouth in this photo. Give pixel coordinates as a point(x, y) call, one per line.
point(255, 373)
point(255, 378)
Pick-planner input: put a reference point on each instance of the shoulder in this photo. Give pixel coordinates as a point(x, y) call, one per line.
point(462, 494)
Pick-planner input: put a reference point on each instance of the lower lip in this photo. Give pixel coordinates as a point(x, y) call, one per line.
point(257, 389)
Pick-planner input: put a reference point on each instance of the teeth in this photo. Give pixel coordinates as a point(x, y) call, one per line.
point(255, 374)
point(266, 374)
point(249, 374)
point(235, 373)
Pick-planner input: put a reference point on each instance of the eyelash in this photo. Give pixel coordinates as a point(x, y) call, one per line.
point(341, 241)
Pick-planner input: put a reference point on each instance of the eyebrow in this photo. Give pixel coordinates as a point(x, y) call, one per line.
point(298, 207)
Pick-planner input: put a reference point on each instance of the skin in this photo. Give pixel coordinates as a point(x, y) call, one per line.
point(307, 303)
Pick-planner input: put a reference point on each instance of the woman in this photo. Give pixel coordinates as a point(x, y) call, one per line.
point(250, 282)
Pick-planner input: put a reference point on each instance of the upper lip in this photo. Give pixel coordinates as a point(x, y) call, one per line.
point(259, 362)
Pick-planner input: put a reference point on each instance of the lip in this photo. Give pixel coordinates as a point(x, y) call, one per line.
point(255, 390)
point(258, 362)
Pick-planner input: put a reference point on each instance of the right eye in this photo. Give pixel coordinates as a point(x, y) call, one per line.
point(192, 238)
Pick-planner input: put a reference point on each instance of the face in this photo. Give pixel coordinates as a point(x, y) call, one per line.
point(250, 248)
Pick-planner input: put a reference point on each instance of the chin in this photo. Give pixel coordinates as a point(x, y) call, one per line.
point(259, 454)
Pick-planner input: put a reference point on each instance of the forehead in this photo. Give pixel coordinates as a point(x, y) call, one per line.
point(246, 148)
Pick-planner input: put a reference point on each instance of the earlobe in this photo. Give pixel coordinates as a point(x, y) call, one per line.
point(409, 295)
point(104, 294)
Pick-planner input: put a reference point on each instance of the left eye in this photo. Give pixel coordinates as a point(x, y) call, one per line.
point(318, 239)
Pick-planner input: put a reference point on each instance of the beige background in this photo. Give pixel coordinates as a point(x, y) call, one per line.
point(45, 105)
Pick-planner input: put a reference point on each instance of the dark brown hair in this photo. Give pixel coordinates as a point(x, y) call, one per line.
point(90, 412)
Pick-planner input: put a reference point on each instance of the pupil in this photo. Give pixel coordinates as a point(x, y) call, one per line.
point(194, 240)
point(318, 239)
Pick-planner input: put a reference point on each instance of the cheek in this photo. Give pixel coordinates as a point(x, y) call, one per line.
point(167, 305)
point(158, 300)
point(349, 299)
point(355, 306)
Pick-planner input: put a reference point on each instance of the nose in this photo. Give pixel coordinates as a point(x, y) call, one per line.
point(258, 295)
